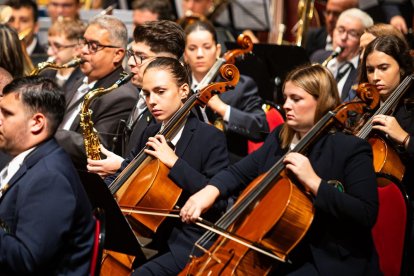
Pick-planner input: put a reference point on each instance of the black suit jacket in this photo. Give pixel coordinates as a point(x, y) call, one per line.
point(247, 119)
point(339, 240)
point(347, 92)
point(315, 40)
point(68, 86)
point(404, 114)
point(132, 135)
point(202, 153)
point(108, 111)
point(48, 216)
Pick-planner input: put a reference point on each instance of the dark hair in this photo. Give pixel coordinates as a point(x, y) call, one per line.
point(203, 25)
point(392, 46)
point(180, 72)
point(162, 36)
point(11, 52)
point(40, 94)
point(161, 7)
point(18, 4)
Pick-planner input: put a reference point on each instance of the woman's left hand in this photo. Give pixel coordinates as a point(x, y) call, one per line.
point(390, 126)
point(160, 149)
point(301, 167)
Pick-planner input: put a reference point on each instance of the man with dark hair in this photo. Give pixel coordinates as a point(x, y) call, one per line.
point(153, 39)
point(46, 226)
point(24, 21)
point(145, 11)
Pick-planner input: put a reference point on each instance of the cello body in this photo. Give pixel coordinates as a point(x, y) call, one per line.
point(273, 213)
point(292, 210)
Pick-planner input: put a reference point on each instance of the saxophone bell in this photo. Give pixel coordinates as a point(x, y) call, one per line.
point(338, 50)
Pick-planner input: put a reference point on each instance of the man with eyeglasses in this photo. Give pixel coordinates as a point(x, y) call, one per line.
point(102, 49)
point(63, 8)
point(24, 21)
point(153, 39)
point(62, 47)
point(348, 30)
point(321, 38)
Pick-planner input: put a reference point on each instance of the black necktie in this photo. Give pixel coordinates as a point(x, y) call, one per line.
point(343, 70)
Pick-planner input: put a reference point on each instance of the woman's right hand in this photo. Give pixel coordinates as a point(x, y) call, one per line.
point(107, 166)
point(198, 203)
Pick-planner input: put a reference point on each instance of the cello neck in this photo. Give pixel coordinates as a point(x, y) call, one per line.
point(388, 106)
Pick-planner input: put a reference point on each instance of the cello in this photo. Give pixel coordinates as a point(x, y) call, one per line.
point(145, 183)
point(281, 229)
point(387, 163)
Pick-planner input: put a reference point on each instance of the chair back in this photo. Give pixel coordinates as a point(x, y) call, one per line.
point(274, 118)
point(390, 233)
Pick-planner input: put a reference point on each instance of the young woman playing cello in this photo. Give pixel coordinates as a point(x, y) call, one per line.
point(386, 62)
point(200, 152)
point(337, 171)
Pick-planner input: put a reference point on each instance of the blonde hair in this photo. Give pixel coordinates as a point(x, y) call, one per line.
point(72, 29)
point(318, 82)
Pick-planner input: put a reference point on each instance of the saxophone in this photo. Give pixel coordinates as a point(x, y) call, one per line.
point(46, 65)
point(90, 136)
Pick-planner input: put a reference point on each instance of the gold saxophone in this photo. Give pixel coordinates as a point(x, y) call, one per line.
point(90, 136)
point(51, 65)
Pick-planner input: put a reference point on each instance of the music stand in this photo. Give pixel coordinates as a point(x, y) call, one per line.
point(269, 65)
point(119, 236)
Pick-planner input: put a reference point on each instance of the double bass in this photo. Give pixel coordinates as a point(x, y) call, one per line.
point(144, 183)
point(280, 230)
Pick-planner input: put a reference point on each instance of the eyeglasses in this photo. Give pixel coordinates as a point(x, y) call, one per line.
point(58, 46)
point(353, 34)
point(139, 59)
point(94, 46)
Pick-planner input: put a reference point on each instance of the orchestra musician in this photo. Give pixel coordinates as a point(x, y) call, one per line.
point(11, 52)
point(199, 152)
point(62, 47)
point(103, 48)
point(239, 109)
point(153, 39)
point(376, 30)
point(385, 63)
point(24, 18)
point(321, 37)
point(46, 225)
point(337, 171)
point(348, 30)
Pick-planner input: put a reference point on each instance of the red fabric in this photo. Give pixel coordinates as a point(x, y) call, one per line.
point(389, 230)
point(95, 247)
point(274, 118)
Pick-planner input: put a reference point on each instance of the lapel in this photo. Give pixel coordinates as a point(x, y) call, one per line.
point(37, 154)
point(187, 135)
point(105, 82)
point(72, 84)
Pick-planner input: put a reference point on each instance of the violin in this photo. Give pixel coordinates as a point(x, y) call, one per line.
point(387, 163)
point(292, 212)
point(145, 183)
